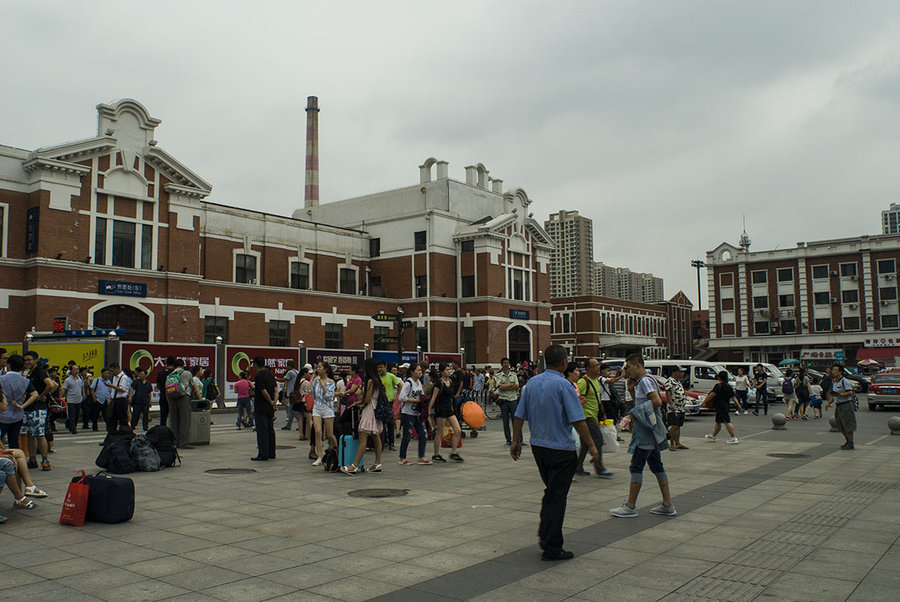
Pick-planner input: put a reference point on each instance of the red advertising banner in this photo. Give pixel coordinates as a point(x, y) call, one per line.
point(152, 356)
point(433, 359)
point(340, 359)
point(239, 359)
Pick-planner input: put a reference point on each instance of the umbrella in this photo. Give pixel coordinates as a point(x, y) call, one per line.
point(868, 362)
point(788, 362)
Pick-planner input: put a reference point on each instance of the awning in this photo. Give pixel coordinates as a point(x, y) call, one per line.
point(877, 353)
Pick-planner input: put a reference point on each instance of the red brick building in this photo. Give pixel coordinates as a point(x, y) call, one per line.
point(113, 230)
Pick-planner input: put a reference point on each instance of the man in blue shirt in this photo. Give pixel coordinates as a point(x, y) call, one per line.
point(550, 405)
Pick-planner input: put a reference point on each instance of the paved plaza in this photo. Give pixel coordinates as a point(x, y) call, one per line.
point(820, 524)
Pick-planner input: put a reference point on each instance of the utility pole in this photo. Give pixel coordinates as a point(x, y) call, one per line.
point(698, 263)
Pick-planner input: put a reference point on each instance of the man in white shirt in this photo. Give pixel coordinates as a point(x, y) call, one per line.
point(72, 390)
point(120, 385)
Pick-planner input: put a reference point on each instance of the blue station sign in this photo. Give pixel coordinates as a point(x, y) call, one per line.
point(519, 314)
point(122, 289)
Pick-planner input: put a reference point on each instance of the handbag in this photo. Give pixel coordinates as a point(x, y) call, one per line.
point(310, 401)
point(74, 507)
point(610, 436)
point(384, 411)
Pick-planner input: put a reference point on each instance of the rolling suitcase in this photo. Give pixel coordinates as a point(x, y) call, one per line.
point(111, 499)
point(347, 448)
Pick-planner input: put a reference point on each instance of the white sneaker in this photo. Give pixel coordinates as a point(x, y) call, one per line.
point(709, 437)
point(746, 412)
point(733, 441)
point(317, 462)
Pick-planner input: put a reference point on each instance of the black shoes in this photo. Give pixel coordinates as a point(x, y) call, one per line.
point(848, 445)
point(186, 447)
point(561, 555)
point(258, 459)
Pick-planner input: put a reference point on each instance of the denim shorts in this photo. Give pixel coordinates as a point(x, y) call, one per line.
point(7, 468)
point(35, 422)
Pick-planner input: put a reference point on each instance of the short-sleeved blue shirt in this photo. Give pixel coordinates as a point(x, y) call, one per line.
point(550, 405)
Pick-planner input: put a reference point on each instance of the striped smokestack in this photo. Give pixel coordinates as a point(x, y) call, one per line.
point(312, 152)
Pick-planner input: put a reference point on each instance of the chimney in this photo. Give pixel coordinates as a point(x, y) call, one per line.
point(312, 152)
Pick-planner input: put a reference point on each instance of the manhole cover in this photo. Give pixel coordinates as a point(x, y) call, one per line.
point(787, 455)
point(229, 471)
point(378, 493)
point(285, 446)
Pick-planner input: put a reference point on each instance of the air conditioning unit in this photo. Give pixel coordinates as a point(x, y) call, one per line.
point(854, 305)
point(884, 303)
point(889, 277)
point(853, 277)
point(253, 281)
point(834, 272)
point(837, 327)
point(834, 299)
point(870, 318)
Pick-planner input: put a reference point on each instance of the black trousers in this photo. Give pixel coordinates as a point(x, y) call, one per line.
point(557, 467)
point(137, 411)
point(90, 412)
point(72, 411)
point(265, 435)
point(163, 408)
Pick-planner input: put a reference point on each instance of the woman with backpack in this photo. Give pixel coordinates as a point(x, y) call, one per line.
point(442, 400)
point(244, 403)
point(411, 414)
point(721, 395)
point(323, 409)
point(790, 395)
point(369, 425)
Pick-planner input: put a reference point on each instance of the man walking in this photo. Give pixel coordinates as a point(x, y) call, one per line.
point(72, 390)
point(100, 392)
point(550, 405)
point(139, 398)
point(35, 423)
point(180, 404)
point(264, 411)
point(507, 397)
point(647, 439)
point(120, 385)
point(392, 385)
point(844, 410)
point(675, 416)
point(589, 388)
point(762, 391)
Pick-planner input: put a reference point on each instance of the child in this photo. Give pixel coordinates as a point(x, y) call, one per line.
point(815, 398)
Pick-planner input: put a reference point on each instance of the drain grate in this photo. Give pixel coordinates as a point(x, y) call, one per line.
point(378, 493)
point(787, 455)
point(285, 446)
point(229, 471)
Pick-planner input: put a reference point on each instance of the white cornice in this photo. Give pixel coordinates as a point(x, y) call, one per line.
point(171, 166)
point(41, 163)
point(79, 148)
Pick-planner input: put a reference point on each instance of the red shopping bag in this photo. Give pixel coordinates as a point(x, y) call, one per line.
point(75, 503)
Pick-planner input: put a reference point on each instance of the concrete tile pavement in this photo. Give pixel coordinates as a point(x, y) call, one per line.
point(749, 525)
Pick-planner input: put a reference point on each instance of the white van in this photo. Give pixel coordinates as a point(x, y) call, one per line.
point(701, 375)
point(774, 376)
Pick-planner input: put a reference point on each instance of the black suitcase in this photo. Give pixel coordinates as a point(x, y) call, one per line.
point(111, 499)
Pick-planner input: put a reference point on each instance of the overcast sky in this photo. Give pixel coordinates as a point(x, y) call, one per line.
point(664, 122)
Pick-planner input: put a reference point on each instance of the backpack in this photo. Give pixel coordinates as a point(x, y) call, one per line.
point(787, 387)
point(212, 391)
point(120, 460)
point(123, 436)
point(173, 384)
point(384, 411)
point(330, 460)
point(163, 440)
point(144, 454)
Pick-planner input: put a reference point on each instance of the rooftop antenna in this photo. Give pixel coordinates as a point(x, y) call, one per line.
point(744, 241)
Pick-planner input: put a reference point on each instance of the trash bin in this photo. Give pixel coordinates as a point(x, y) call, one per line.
point(198, 432)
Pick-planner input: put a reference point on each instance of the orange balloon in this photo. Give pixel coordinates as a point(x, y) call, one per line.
point(473, 414)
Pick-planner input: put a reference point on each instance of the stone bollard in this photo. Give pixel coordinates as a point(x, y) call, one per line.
point(833, 424)
point(778, 422)
point(894, 425)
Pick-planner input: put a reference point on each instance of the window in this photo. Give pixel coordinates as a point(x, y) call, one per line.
point(279, 333)
point(759, 277)
point(2, 226)
point(726, 279)
point(761, 328)
point(422, 338)
point(820, 272)
point(823, 298)
point(823, 324)
point(468, 343)
point(347, 281)
point(421, 286)
point(377, 333)
point(420, 241)
point(100, 241)
point(785, 274)
point(851, 323)
point(848, 269)
point(245, 268)
point(299, 275)
point(215, 327)
point(468, 286)
point(850, 296)
point(785, 300)
point(123, 244)
point(467, 246)
point(727, 304)
point(788, 326)
point(760, 302)
point(374, 247)
point(886, 266)
point(705, 372)
point(334, 336)
point(889, 321)
point(519, 284)
point(146, 247)
point(727, 330)
point(888, 293)
point(566, 323)
point(375, 289)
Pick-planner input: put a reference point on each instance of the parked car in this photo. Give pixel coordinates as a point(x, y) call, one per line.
point(884, 390)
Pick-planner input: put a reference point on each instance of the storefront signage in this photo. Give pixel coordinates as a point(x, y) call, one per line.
point(88, 355)
point(821, 354)
point(882, 342)
point(519, 314)
point(433, 359)
point(340, 359)
point(94, 332)
point(32, 226)
point(239, 359)
point(122, 289)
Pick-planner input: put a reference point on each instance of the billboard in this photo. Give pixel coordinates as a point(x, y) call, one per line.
point(340, 359)
point(152, 356)
point(239, 358)
point(59, 354)
point(409, 357)
point(433, 359)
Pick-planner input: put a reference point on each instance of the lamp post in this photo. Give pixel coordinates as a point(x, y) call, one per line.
point(419, 353)
point(301, 356)
point(698, 263)
point(366, 351)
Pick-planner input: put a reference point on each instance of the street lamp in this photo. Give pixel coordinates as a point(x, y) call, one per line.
point(698, 263)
